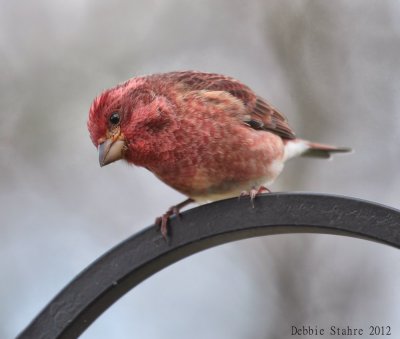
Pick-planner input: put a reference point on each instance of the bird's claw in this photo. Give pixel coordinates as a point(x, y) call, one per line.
point(162, 222)
point(253, 193)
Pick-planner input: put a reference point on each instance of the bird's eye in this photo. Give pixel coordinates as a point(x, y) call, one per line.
point(114, 118)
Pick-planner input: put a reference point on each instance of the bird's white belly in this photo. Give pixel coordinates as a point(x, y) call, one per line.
point(272, 172)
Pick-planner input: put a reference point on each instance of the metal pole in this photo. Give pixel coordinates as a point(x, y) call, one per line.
point(145, 253)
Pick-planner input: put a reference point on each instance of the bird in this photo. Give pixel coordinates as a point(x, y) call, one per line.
point(206, 135)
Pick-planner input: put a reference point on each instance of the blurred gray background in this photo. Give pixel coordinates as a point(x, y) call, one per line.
point(331, 66)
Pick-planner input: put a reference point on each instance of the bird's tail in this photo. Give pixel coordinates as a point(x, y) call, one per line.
point(299, 147)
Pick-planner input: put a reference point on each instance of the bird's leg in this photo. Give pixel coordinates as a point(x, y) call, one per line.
point(254, 192)
point(162, 221)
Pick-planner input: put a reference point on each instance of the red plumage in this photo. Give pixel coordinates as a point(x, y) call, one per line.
point(206, 135)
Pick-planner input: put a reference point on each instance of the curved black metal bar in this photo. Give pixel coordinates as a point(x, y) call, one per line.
point(146, 252)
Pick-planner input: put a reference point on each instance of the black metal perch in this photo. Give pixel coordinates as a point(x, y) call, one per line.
point(145, 253)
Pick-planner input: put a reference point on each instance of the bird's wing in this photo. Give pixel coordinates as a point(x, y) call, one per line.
point(259, 113)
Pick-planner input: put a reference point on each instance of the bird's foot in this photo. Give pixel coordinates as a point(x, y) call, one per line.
point(162, 222)
point(253, 193)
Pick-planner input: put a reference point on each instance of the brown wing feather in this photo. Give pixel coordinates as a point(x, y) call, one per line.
point(271, 119)
point(259, 114)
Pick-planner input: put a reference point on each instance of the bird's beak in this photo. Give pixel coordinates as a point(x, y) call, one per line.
point(111, 150)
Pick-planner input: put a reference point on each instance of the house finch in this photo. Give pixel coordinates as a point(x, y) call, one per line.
point(206, 135)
